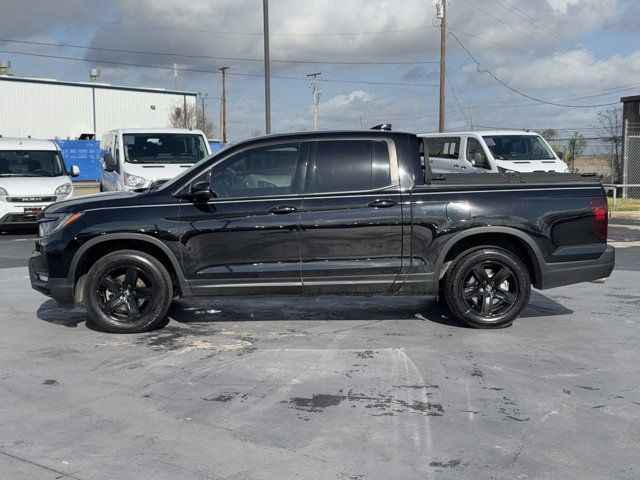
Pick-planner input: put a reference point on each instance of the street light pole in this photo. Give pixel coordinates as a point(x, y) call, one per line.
point(315, 99)
point(203, 97)
point(442, 15)
point(267, 68)
point(223, 105)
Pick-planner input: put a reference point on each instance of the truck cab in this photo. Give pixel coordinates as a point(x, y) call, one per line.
point(32, 176)
point(491, 151)
point(136, 159)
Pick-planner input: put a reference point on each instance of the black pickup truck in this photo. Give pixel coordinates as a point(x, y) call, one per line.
point(324, 213)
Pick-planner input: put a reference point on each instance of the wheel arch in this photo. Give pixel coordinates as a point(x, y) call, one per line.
point(99, 246)
point(508, 238)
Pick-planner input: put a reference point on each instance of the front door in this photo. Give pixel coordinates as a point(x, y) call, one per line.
point(351, 221)
point(246, 240)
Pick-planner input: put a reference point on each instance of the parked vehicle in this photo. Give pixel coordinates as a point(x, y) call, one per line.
point(32, 176)
point(491, 151)
point(324, 213)
point(135, 159)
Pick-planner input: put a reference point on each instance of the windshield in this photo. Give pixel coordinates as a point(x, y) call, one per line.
point(518, 147)
point(163, 147)
point(30, 163)
point(177, 179)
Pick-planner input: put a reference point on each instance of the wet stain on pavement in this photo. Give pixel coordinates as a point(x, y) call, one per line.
point(388, 403)
point(51, 382)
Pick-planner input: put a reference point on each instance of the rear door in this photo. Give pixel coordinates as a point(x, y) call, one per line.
point(351, 220)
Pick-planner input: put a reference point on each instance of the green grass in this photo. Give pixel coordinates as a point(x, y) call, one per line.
point(624, 205)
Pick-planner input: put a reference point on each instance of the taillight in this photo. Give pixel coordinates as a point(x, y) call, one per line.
point(599, 214)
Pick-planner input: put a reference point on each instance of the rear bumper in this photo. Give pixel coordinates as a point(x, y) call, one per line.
point(567, 273)
point(60, 289)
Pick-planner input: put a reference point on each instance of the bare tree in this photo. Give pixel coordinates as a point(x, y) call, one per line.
point(610, 122)
point(577, 146)
point(192, 119)
point(256, 133)
point(549, 134)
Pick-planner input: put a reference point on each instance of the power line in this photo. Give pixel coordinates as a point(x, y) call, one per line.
point(182, 69)
point(209, 57)
point(214, 32)
point(535, 39)
point(539, 100)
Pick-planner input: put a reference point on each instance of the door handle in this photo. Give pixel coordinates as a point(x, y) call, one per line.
point(282, 209)
point(382, 203)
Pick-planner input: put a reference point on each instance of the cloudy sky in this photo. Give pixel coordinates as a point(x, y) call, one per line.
point(377, 57)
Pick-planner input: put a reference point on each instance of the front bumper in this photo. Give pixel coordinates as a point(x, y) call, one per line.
point(566, 273)
point(60, 289)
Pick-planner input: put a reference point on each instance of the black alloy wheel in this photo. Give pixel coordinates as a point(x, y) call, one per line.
point(490, 289)
point(125, 294)
point(487, 287)
point(128, 291)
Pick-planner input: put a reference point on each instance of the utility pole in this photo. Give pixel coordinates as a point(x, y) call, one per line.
point(441, 8)
point(315, 98)
point(175, 76)
point(223, 105)
point(203, 97)
point(267, 68)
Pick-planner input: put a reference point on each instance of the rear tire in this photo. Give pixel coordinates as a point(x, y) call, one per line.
point(128, 291)
point(487, 288)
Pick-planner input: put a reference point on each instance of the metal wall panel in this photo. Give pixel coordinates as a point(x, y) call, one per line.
point(49, 109)
point(44, 110)
point(131, 109)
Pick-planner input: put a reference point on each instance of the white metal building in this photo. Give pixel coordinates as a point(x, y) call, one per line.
point(43, 108)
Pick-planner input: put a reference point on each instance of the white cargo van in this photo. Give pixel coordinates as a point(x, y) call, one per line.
point(491, 151)
point(32, 176)
point(134, 159)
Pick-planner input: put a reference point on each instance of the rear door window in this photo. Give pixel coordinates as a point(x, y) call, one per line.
point(348, 166)
point(443, 147)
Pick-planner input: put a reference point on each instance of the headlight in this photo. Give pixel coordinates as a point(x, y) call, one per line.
point(3, 192)
point(64, 189)
point(53, 222)
point(133, 180)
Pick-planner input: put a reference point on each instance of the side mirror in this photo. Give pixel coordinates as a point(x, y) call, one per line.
point(75, 171)
point(110, 164)
point(201, 192)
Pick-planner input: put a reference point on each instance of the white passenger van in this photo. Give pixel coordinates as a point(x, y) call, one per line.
point(32, 176)
point(491, 151)
point(135, 159)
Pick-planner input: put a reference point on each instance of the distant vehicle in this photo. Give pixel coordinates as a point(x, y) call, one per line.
point(138, 159)
point(324, 213)
point(491, 151)
point(32, 176)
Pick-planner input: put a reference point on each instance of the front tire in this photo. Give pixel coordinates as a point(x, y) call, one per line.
point(487, 288)
point(128, 291)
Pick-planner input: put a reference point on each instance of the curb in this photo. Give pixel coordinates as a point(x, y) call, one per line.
point(632, 215)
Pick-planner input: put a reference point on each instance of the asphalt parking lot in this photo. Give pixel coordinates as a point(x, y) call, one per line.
point(324, 388)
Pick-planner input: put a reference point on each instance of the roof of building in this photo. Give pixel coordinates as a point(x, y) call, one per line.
point(97, 85)
point(10, 143)
point(634, 98)
point(155, 130)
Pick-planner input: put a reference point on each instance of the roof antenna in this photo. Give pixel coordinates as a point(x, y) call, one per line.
point(383, 126)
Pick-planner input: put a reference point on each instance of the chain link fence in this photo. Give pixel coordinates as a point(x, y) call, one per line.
point(631, 168)
point(591, 154)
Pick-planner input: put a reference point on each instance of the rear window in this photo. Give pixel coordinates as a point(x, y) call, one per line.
point(349, 165)
point(443, 147)
point(31, 163)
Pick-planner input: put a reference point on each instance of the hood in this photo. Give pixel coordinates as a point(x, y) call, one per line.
point(528, 166)
point(96, 200)
point(156, 171)
point(32, 186)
